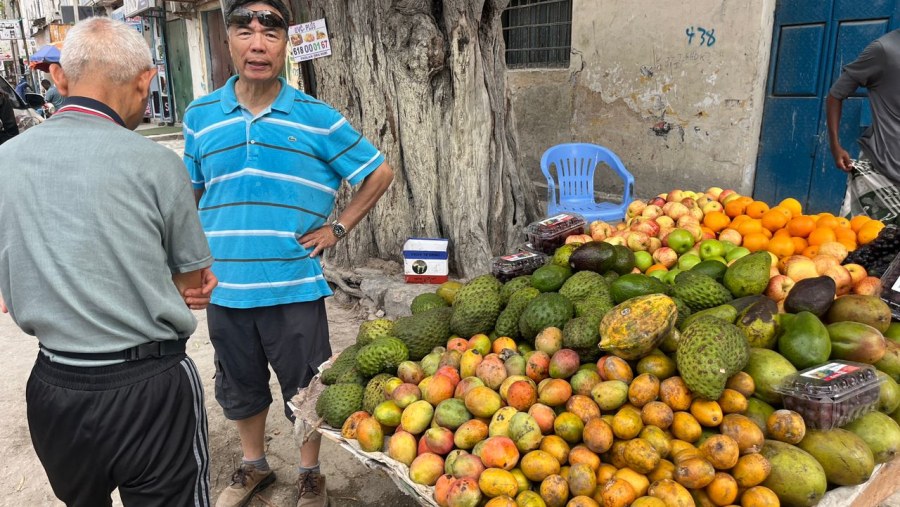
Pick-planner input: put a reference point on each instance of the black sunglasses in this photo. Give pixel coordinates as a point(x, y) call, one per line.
point(268, 19)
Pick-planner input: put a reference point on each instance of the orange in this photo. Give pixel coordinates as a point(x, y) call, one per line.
point(782, 246)
point(850, 245)
point(858, 221)
point(750, 226)
point(767, 233)
point(869, 231)
point(821, 235)
point(757, 209)
point(737, 221)
point(716, 220)
point(845, 234)
point(827, 220)
point(774, 220)
point(735, 207)
point(656, 267)
point(843, 222)
point(784, 211)
point(799, 244)
point(755, 241)
point(792, 205)
point(781, 232)
point(811, 251)
point(801, 226)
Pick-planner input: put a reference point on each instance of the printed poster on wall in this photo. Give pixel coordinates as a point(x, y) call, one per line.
point(309, 41)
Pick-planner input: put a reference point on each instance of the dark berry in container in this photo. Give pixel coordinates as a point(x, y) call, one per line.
point(832, 394)
point(550, 233)
point(523, 262)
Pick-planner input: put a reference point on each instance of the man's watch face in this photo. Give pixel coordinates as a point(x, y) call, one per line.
point(338, 230)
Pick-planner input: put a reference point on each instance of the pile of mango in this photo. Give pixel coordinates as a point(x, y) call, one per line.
point(496, 421)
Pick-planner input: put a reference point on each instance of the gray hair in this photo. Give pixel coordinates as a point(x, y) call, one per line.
point(106, 47)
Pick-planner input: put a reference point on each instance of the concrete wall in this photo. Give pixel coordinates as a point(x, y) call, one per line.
point(680, 111)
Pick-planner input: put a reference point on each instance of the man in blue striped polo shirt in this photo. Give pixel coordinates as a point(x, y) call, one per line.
point(266, 162)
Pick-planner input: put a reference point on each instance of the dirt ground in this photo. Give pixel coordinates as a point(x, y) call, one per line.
point(350, 483)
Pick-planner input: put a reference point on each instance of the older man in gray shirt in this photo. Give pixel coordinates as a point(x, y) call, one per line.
point(878, 70)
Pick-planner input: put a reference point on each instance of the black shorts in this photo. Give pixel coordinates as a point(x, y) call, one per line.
point(293, 338)
point(138, 426)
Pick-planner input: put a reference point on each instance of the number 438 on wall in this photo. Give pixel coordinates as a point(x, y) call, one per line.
point(707, 36)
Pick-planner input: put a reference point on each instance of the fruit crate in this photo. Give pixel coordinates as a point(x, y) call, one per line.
point(550, 233)
point(890, 287)
point(832, 394)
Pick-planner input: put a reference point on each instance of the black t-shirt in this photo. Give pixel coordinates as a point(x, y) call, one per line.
point(8, 127)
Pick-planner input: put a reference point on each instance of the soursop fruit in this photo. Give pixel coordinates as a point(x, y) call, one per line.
point(683, 311)
point(372, 330)
point(582, 335)
point(424, 331)
point(710, 351)
point(595, 304)
point(583, 284)
point(426, 301)
point(546, 310)
point(508, 322)
point(345, 361)
point(374, 393)
point(700, 291)
point(351, 376)
point(338, 401)
point(381, 355)
point(509, 288)
point(476, 307)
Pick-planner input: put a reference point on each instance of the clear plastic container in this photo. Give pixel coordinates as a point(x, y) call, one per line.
point(890, 287)
point(550, 233)
point(523, 262)
point(832, 394)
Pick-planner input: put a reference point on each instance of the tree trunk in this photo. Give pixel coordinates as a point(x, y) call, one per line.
point(425, 81)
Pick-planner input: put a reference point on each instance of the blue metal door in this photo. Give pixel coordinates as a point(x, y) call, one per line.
point(811, 41)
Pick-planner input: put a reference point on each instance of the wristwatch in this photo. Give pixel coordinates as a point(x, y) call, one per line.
point(338, 229)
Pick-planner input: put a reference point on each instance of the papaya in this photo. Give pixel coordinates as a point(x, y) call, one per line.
point(880, 432)
point(869, 310)
point(758, 323)
point(768, 369)
point(814, 295)
point(796, 477)
point(855, 341)
point(632, 329)
point(845, 458)
point(805, 341)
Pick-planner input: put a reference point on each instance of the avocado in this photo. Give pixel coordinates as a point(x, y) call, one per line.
point(749, 275)
point(593, 256)
point(635, 284)
point(623, 260)
point(814, 295)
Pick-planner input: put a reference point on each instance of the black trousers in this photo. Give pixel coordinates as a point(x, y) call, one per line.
point(138, 426)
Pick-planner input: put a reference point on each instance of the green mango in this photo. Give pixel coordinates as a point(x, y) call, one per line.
point(758, 323)
point(890, 361)
point(805, 341)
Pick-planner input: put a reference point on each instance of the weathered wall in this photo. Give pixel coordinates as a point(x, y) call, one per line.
point(680, 111)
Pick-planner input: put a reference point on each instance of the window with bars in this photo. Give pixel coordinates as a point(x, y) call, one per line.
point(538, 33)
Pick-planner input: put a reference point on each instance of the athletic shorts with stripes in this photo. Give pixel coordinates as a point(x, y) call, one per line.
point(138, 426)
point(293, 338)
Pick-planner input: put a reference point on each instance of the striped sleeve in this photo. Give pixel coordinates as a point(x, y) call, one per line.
point(192, 158)
point(349, 153)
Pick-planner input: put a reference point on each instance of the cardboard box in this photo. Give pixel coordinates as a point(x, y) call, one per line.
point(425, 260)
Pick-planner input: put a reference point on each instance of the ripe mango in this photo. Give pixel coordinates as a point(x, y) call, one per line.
point(796, 477)
point(855, 341)
point(869, 310)
point(845, 457)
point(880, 432)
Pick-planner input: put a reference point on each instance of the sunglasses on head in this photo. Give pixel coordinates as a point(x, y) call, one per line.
point(268, 19)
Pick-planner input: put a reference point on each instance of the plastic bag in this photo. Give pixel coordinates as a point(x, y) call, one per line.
point(870, 193)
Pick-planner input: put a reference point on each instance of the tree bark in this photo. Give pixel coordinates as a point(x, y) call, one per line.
point(425, 81)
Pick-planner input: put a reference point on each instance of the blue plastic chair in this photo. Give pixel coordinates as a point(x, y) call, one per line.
point(573, 188)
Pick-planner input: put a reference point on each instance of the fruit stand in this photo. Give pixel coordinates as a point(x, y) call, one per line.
point(708, 350)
